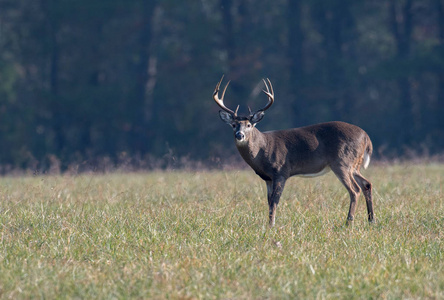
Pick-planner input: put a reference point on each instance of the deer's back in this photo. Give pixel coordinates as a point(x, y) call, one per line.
point(309, 149)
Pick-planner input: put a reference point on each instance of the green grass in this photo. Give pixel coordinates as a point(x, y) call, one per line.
point(204, 235)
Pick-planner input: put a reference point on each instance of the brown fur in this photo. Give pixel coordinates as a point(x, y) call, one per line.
point(277, 155)
point(307, 151)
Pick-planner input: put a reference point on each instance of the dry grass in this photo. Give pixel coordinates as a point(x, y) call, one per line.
point(205, 235)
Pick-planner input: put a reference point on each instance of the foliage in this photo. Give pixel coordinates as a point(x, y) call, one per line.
point(204, 235)
point(82, 80)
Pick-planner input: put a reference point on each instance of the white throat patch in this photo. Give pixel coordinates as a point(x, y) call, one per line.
point(241, 143)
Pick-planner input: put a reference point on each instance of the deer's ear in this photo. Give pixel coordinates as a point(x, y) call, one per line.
point(257, 117)
point(226, 117)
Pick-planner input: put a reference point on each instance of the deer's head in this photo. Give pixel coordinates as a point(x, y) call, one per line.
point(242, 125)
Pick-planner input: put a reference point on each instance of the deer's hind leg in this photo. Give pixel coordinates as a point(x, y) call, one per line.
point(366, 188)
point(345, 175)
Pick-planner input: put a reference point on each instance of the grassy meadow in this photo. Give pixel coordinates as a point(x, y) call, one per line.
point(204, 235)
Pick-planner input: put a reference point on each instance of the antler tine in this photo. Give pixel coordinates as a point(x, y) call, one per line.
point(237, 108)
point(220, 101)
point(269, 92)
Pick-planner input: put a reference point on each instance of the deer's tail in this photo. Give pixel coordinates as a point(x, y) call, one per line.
point(368, 151)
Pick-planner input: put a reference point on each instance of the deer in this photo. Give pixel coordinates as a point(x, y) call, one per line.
point(308, 151)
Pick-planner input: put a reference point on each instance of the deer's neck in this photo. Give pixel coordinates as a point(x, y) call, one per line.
point(253, 147)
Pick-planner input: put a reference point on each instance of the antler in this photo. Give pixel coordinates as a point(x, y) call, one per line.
point(220, 101)
point(269, 92)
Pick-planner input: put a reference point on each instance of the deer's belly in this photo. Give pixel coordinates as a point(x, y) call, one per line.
point(320, 173)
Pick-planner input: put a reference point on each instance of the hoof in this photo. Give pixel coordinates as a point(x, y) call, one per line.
point(349, 221)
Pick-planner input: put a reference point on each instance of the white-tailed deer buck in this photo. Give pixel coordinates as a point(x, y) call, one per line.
point(307, 151)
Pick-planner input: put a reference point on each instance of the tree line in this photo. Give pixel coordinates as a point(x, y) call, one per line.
point(82, 81)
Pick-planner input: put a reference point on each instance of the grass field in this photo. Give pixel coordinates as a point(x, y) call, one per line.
point(204, 235)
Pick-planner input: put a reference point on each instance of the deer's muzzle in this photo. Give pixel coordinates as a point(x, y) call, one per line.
point(239, 136)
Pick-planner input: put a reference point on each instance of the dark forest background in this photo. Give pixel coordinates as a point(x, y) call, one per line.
point(83, 82)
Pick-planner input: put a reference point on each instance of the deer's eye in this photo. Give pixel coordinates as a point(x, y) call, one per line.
point(248, 125)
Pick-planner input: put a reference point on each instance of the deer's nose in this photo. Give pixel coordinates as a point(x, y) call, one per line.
point(239, 136)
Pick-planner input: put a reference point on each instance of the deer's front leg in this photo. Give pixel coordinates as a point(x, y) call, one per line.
point(274, 191)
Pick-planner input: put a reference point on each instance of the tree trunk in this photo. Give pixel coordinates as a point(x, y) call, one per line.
point(228, 34)
point(141, 107)
point(440, 97)
point(295, 59)
point(58, 124)
point(402, 27)
point(331, 17)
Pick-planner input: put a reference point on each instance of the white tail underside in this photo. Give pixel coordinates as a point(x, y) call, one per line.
point(366, 160)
